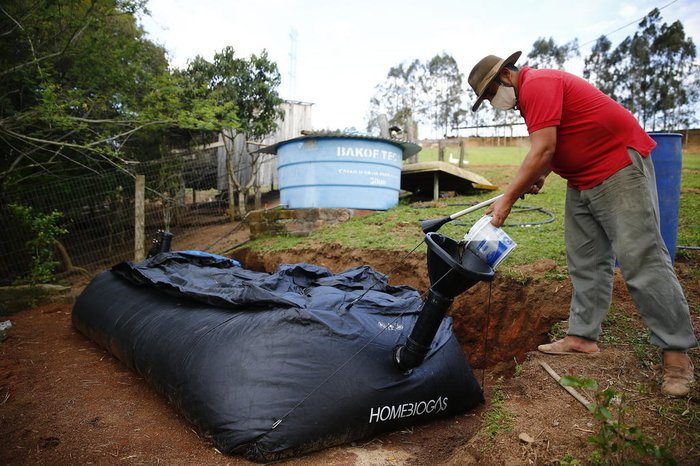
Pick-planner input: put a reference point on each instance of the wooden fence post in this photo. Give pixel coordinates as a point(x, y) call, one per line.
point(436, 185)
point(139, 217)
point(230, 184)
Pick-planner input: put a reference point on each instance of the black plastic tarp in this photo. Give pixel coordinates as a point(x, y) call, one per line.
point(274, 365)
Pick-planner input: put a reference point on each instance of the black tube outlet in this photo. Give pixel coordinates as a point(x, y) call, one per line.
point(452, 269)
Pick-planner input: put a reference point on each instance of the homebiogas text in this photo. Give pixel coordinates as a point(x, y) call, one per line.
point(417, 408)
point(367, 153)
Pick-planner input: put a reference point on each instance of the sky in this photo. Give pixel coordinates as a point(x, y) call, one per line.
point(333, 54)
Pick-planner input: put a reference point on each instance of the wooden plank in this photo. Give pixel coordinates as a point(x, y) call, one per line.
point(477, 180)
point(572, 391)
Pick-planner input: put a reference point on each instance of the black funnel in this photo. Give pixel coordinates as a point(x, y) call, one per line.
point(452, 269)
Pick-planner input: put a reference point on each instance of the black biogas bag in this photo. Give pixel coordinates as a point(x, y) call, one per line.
point(274, 365)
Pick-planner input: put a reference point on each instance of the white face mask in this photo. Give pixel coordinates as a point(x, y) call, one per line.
point(504, 98)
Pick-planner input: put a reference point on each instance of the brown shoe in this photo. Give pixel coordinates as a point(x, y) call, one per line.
point(677, 380)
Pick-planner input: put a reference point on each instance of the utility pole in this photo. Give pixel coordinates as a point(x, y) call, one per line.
point(292, 73)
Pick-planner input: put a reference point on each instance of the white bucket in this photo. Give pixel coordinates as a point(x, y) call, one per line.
point(488, 242)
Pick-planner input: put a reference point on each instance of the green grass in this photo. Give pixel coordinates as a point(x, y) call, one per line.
point(623, 328)
point(503, 155)
point(686, 416)
point(689, 212)
point(399, 228)
point(497, 418)
point(691, 160)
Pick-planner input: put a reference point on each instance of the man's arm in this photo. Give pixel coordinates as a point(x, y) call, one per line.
point(530, 175)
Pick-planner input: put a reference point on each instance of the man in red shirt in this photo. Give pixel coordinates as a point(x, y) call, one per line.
point(611, 212)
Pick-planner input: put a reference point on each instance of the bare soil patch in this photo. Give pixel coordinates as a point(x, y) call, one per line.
point(63, 400)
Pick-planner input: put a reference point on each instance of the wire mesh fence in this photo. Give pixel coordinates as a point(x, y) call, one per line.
point(97, 210)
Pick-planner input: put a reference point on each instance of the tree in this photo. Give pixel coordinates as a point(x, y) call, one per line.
point(443, 91)
point(400, 96)
point(599, 66)
point(73, 78)
point(652, 73)
point(677, 82)
point(429, 92)
point(546, 53)
point(245, 90)
point(636, 67)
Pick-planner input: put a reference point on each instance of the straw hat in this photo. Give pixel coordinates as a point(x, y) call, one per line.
point(485, 72)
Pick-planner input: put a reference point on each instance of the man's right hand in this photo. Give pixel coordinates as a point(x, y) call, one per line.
point(537, 187)
point(499, 210)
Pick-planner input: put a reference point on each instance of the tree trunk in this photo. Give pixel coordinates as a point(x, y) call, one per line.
point(383, 122)
point(242, 199)
point(67, 262)
point(258, 198)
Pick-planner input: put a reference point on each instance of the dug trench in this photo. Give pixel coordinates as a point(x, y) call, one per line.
point(497, 323)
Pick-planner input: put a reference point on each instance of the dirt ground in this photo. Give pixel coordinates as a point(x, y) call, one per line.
point(64, 400)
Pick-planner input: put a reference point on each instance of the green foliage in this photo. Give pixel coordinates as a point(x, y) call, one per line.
point(241, 93)
point(546, 54)
point(598, 69)
point(83, 90)
point(497, 418)
point(72, 84)
point(625, 328)
point(652, 73)
point(558, 330)
point(557, 274)
point(45, 228)
point(684, 415)
point(568, 460)
point(276, 243)
point(443, 86)
point(518, 367)
point(400, 96)
point(427, 92)
point(617, 442)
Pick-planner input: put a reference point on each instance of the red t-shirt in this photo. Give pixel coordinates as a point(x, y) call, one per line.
point(593, 131)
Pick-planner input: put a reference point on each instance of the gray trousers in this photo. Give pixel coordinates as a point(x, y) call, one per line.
point(619, 218)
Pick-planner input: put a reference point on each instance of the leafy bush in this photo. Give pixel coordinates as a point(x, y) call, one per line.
point(617, 441)
point(46, 229)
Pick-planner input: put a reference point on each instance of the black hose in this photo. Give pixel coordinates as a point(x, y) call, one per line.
point(529, 224)
point(519, 209)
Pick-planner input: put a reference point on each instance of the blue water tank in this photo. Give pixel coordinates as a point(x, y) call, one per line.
point(341, 172)
point(667, 159)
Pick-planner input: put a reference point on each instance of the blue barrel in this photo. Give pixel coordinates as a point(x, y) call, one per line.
point(667, 160)
point(338, 172)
